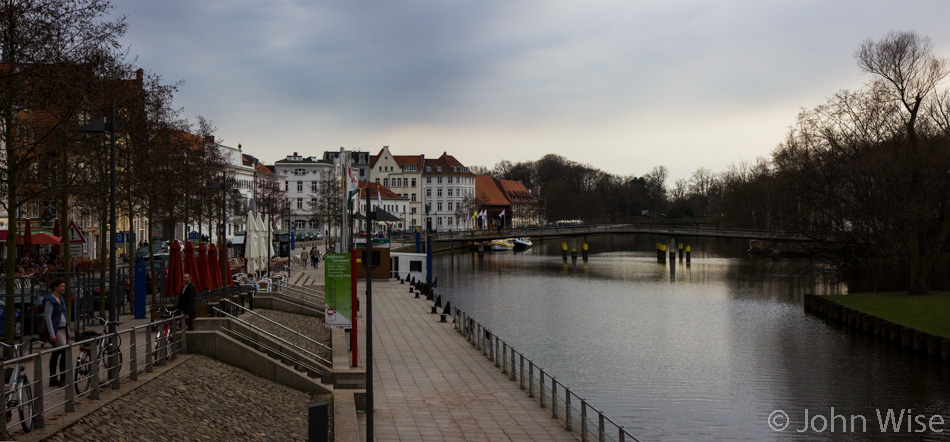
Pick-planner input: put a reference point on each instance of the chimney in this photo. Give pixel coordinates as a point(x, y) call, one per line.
point(239, 146)
point(295, 153)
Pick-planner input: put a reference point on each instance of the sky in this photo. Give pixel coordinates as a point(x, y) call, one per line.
point(622, 86)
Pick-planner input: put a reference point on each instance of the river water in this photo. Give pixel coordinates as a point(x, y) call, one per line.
point(706, 354)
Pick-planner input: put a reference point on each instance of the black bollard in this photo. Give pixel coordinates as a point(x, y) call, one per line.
point(448, 308)
point(435, 282)
point(438, 301)
point(318, 428)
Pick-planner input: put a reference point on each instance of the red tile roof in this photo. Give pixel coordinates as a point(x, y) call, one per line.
point(487, 192)
point(446, 162)
point(515, 190)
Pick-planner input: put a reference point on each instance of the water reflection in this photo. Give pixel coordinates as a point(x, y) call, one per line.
point(703, 353)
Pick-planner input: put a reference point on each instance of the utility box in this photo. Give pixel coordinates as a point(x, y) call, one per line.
point(381, 265)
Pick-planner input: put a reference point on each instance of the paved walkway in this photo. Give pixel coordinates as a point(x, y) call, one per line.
point(431, 384)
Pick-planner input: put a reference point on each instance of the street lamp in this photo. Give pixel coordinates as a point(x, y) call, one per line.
point(101, 126)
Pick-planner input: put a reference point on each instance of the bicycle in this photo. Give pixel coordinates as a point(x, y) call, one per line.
point(19, 392)
point(82, 378)
point(164, 333)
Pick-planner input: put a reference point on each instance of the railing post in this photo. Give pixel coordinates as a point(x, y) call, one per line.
point(3, 409)
point(530, 378)
point(541, 385)
point(567, 409)
point(623, 434)
point(504, 357)
point(184, 338)
point(114, 361)
point(70, 405)
point(494, 355)
point(583, 420)
point(601, 434)
point(94, 368)
point(133, 360)
point(148, 347)
point(174, 333)
point(554, 397)
point(521, 372)
point(39, 419)
point(512, 363)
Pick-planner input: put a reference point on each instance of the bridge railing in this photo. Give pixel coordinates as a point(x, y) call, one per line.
point(648, 228)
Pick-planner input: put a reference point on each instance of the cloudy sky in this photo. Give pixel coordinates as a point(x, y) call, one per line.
point(621, 85)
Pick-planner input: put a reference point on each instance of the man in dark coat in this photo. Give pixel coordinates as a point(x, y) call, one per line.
point(186, 302)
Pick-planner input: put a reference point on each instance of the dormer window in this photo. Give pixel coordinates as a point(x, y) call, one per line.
point(438, 169)
point(428, 168)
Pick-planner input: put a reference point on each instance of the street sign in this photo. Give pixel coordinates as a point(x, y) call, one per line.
point(122, 237)
point(75, 235)
point(75, 250)
point(193, 234)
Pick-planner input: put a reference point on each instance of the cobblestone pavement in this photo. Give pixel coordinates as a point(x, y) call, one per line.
point(202, 400)
point(310, 326)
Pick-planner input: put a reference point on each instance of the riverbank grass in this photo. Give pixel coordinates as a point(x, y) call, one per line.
point(926, 313)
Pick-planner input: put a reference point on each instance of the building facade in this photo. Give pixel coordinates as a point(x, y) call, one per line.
point(449, 191)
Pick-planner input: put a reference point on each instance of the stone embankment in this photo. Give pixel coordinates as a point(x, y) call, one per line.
point(927, 344)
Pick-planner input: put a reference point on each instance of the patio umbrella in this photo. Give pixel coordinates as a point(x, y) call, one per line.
point(44, 239)
point(27, 238)
point(203, 267)
point(191, 266)
point(214, 267)
point(267, 244)
point(174, 280)
point(56, 232)
point(250, 239)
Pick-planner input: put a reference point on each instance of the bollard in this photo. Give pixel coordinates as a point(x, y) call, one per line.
point(584, 251)
point(574, 254)
point(661, 253)
point(687, 255)
point(438, 301)
point(679, 251)
point(564, 251)
point(553, 397)
point(318, 424)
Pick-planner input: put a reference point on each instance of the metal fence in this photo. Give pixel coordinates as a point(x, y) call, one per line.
point(578, 415)
point(88, 360)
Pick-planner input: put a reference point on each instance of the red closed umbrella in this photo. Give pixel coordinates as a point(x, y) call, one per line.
point(191, 266)
point(214, 266)
point(174, 281)
point(228, 279)
point(203, 267)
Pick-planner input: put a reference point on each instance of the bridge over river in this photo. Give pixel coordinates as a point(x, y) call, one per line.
point(670, 230)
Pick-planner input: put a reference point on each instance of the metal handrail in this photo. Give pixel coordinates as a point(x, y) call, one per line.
point(304, 289)
point(303, 303)
point(489, 343)
point(256, 328)
point(293, 357)
point(278, 324)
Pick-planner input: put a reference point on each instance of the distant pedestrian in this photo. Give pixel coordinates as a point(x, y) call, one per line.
point(186, 302)
point(58, 326)
point(315, 258)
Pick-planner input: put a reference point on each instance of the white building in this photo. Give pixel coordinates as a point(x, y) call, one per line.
point(302, 176)
point(402, 174)
point(447, 183)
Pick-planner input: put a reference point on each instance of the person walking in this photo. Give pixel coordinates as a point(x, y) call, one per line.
point(58, 326)
point(315, 258)
point(186, 302)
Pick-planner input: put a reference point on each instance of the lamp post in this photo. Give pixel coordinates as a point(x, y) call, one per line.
point(101, 126)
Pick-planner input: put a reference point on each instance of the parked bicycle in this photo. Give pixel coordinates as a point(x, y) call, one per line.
point(164, 333)
point(19, 392)
point(109, 345)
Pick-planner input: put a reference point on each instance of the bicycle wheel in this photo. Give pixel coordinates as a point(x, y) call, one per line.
point(25, 405)
point(81, 376)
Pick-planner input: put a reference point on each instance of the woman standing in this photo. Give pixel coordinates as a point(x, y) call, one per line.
point(58, 328)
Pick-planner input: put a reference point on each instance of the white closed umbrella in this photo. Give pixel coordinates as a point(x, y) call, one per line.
point(251, 250)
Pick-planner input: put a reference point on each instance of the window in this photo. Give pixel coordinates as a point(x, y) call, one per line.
point(438, 169)
point(377, 180)
point(300, 171)
point(300, 186)
point(313, 203)
point(438, 206)
point(428, 168)
point(300, 203)
point(450, 178)
point(439, 190)
point(413, 197)
point(413, 182)
point(450, 205)
point(361, 173)
point(415, 266)
point(428, 180)
point(440, 220)
point(439, 180)
point(450, 191)
point(429, 193)
point(413, 210)
point(313, 186)
point(450, 220)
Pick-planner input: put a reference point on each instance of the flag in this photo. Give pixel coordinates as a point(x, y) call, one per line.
point(502, 213)
point(352, 185)
point(379, 198)
point(484, 214)
point(475, 215)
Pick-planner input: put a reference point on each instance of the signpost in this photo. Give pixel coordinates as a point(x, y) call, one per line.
point(76, 239)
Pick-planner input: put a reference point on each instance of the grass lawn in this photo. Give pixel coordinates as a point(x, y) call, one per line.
point(927, 313)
